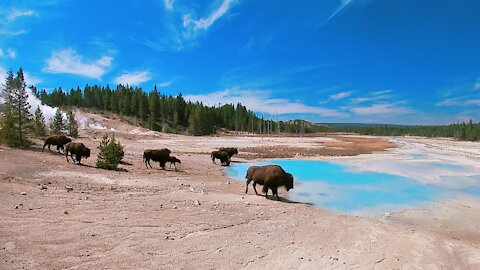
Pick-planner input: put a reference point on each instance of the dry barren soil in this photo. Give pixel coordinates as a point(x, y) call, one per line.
point(57, 215)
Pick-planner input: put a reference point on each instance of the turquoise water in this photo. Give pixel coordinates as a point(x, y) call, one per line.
point(338, 188)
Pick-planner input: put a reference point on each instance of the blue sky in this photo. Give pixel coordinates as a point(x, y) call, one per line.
point(374, 61)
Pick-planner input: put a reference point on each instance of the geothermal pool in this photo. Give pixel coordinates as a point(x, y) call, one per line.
point(342, 187)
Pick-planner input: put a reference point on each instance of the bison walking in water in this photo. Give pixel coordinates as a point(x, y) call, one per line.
point(157, 155)
point(77, 149)
point(230, 151)
point(58, 140)
point(271, 177)
point(173, 160)
point(222, 155)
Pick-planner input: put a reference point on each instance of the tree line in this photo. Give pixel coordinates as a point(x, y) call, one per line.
point(462, 131)
point(166, 113)
point(17, 121)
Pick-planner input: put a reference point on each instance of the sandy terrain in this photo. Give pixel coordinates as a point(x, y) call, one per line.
point(57, 215)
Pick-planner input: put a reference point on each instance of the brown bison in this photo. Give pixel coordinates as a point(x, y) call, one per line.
point(77, 149)
point(222, 155)
point(58, 140)
point(173, 160)
point(271, 177)
point(157, 155)
point(231, 151)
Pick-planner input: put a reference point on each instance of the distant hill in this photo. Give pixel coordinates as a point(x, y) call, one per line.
point(337, 125)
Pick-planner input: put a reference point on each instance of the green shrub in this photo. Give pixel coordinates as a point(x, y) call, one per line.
point(111, 153)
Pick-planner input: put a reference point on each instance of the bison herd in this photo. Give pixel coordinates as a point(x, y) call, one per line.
point(271, 177)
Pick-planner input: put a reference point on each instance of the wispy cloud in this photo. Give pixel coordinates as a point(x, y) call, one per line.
point(182, 27)
point(164, 84)
point(373, 96)
point(15, 14)
point(70, 62)
point(31, 80)
point(342, 6)
point(340, 95)
point(202, 24)
point(11, 53)
point(466, 94)
point(261, 101)
point(133, 78)
point(9, 18)
point(168, 4)
point(382, 109)
point(464, 101)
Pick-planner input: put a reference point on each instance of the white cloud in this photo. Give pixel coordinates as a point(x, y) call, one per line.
point(31, 80)
point(382, 109)
point(205, 23)
point(343, 5)
point(340, 95)
point(8, 20)
point(11, 53)
point(168, 4)
point(133, 78)
point(459, 101)
point(164, 84)
point(261, 101)
point(374, 96)
point(15, 14)
point(477, 85)
point(69, 61)
point(449, 102)
point(182, 26)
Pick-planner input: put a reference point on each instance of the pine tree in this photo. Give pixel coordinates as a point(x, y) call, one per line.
point(72, 126)
point(21, 113)
point(17, 115)
point(153, 105)
point(39, 126)
point(7, 127)
point(111, 153)
point(57, 125)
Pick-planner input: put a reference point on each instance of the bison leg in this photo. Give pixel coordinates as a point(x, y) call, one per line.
point(248, 183)
point(45, 144)
point(213, 160)
point(162, 165)
point(174, 165)
point(255, 187)
point(275, 192)
point(148, 161)
point(79, 158)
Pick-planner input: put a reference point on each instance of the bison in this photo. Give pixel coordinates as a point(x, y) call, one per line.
point(173, 160)
point(271, 177)
point(231, 151)
point(77, 149)
point(58, 140)
point(222, 155)
point(158, 155)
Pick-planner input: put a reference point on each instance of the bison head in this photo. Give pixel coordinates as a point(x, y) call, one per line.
point(289, 181)
point(68, 140)
point(86, 152)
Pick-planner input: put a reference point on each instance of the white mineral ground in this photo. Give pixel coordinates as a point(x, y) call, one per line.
point(57, 215)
